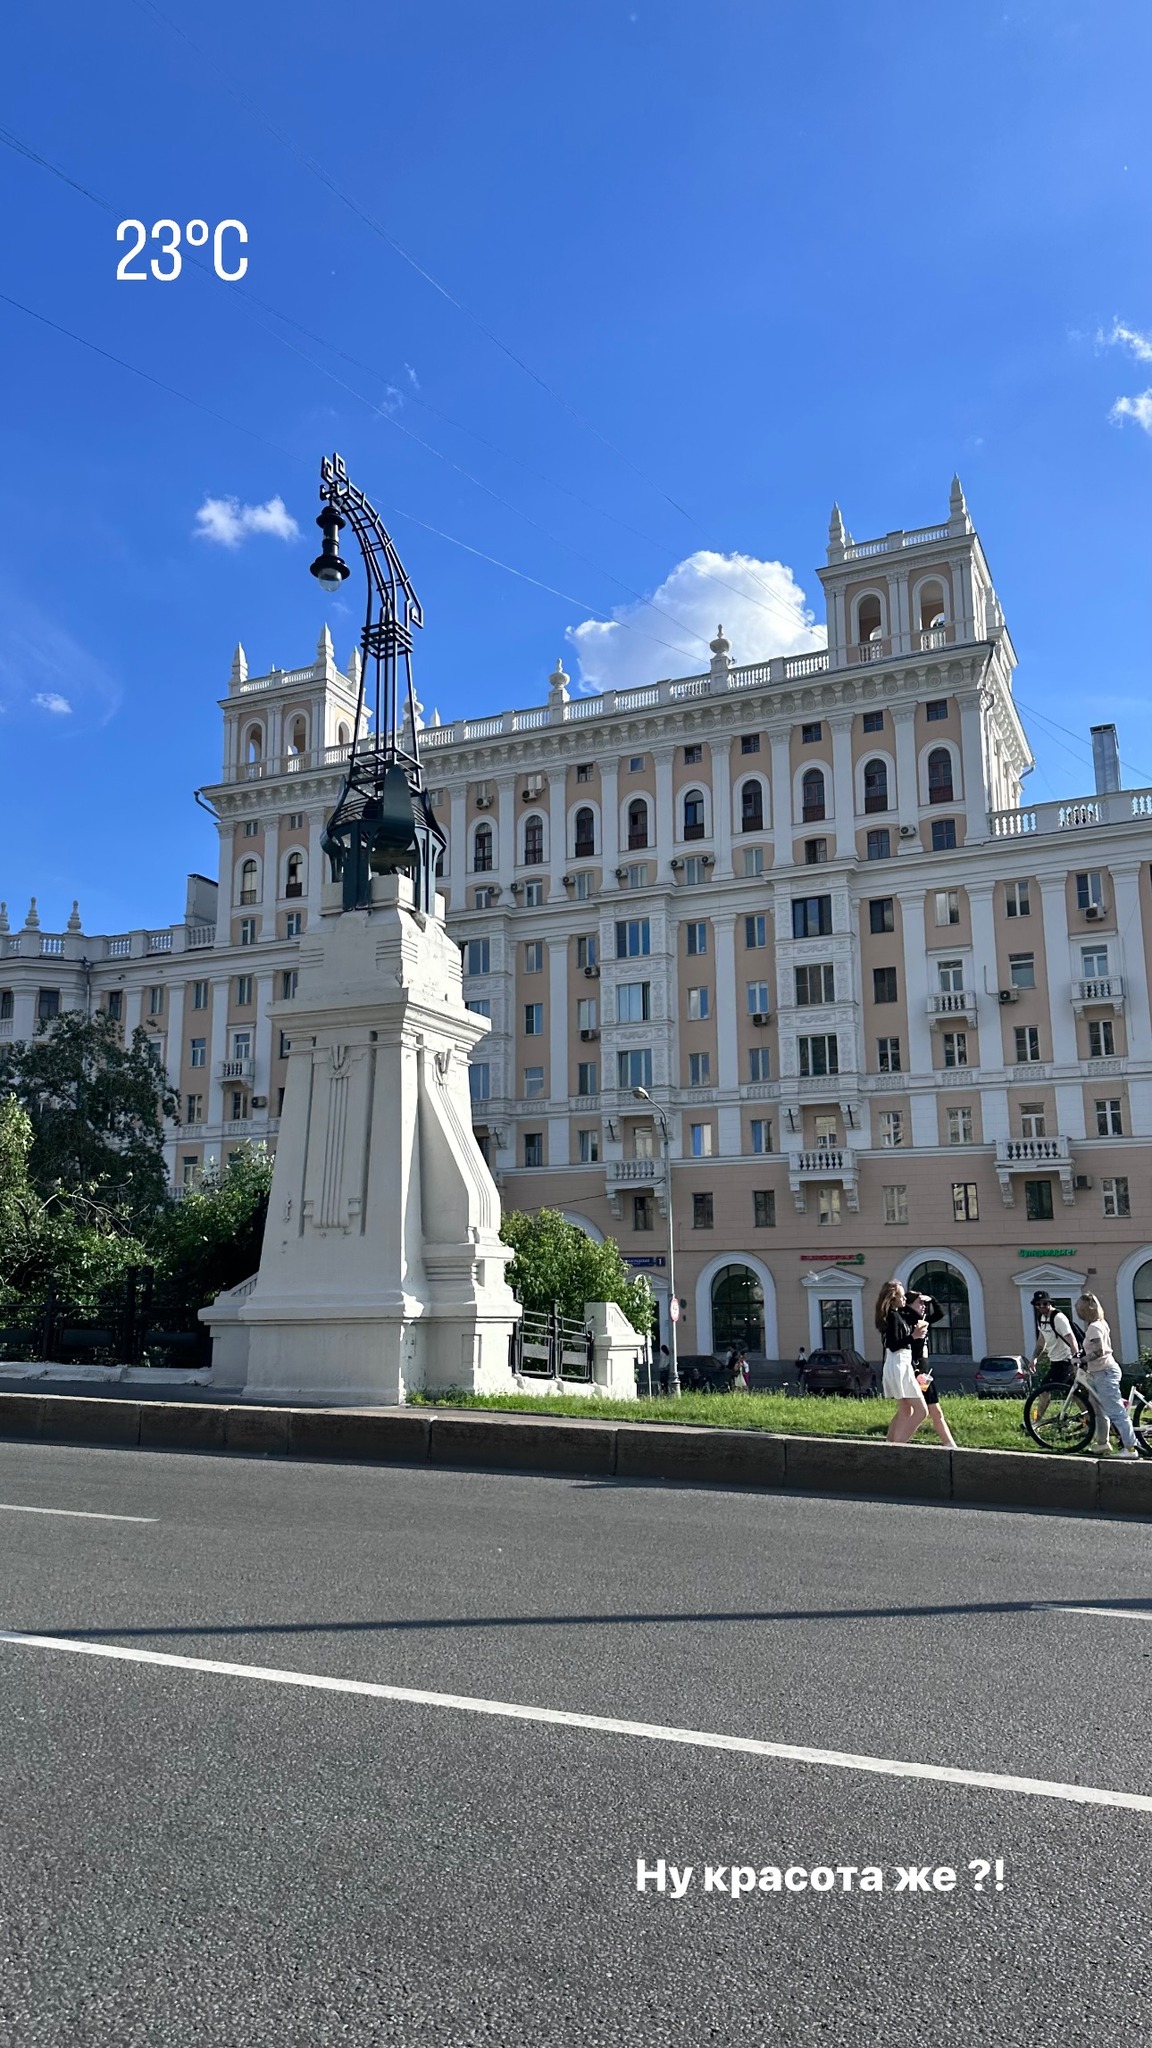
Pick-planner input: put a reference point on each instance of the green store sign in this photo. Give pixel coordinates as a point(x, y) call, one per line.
point(1067, 1252)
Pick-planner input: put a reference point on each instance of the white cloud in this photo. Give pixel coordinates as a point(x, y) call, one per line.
point(762, 606)
point(1138, 409)
point(413, 379)
point(46, 671)
point(227, 522)
point(51, 700)
point(1139, 345)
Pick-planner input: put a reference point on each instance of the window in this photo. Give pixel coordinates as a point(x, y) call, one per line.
point(194, 1109)
point(811, 733)
point(1101, 1039)
point(696, 938)
point(583, 889)
point(293, 924)
point(873, 721)
point(247, 931)
point(1109, 1117)
point(533, 842)
point(480, 1080)
point(878, 845)
point(965, 1202)
point(199, 995)
point(753, 862)
point(694, 815)
point(533, 895)
point(1032, 1120)
point(891, 1128)
point(755, 932)
point(1094, 962)
point(955, 1048)
point(943, 835)
point(633, 938)
point(156, 1047)
point(585, 841)
point(815, 984)
point(888, 1055)
point(698, 1003)
point(760, 1131)
point(533, 1082)
point(188, 1170)
point(759, 1063)
point(285, 1045)
point(749, 743)
point(757, 998)
point(534, 956)
point(156, 1002)
point(533, 1020)
point(1027, 1038)
point(699, 1069)
point(881, 916)
point(251, 828)
point(588, 1078)
point(950, 977)
point(587, 951)
point(940, 776)
point(752, 807)
point(936, 710)
point(947, 905)
point(763, 1208)
point(636, 764)
point(1017, 902)
point(884, 985)
point(959, 1126)
point(1022, 970)
point(692, 755)
point(198, 1052)
point(482, 845)
point(633, 1002)
point(243, 990)
point(114, 1004)
point(241, 1045)
point(812, 796)
point(588, 1147)
point(533, 1148)
point(280, 1102)
point(811, 917)
point(819, 1055)
point(896, 1203)
point(587, 1014)
point(827, 1205)
point(294, 875)
point(478, 956)
point(1038, 1201)
point(289, 983)
point(876, 786)
point(815, 852)
point(701, 1212)
point(1115, 1194)
point(1089, 890)
point(634, 1068)
point(636, 875)
point(249, 882)
point(480, 1006)
point(836, 1325)
point(637, 825)
point(483, 899)
point(296, 818)
point(584, 771)
point(643, 1212)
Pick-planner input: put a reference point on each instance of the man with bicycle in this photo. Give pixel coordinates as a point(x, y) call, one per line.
point(1057, 1343)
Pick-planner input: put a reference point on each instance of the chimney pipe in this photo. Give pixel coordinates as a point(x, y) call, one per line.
point(1106, 759)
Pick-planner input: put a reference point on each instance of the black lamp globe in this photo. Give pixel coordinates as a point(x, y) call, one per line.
point(328, 568)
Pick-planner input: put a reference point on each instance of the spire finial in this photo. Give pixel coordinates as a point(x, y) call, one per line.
point(32, 921)
point(354, 667)
point(558, 683)
point(74, 924)
point(325, 651)
point(3, 917)
point(239, 665)
point(958, 507)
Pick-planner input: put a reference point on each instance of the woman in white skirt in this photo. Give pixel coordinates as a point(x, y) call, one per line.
point(898, 1327)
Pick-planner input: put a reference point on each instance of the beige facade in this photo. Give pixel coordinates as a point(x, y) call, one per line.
point(897, 1017)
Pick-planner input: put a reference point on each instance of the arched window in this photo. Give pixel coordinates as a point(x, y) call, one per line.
point(932, 609)
point(812, 796)
point(533, 842)
point(694, 814)
point(940, 776)
point(752, 807)
point(298, 734)
point(585, 845)
point(876, 786)
point(294, 875)
point(637, 825)
point(951, 1337)
point(737, 1310)
point(869, 622)
point(249, 882)
point(1142, 1301)
point(254, 744)
point(343, 736)
point(482, 850)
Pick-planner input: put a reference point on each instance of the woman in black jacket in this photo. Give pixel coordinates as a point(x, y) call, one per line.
point(929, 1312)
point(898, 1327)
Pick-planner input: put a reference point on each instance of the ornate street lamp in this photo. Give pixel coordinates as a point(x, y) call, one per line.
point(383, 821)
point(642, 1095)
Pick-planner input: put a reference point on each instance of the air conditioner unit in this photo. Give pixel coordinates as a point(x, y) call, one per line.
point(677, 863)
point(483, 803)
point(569, 881)
point(761, 1016)
point(709, 859)
point(1009, 995)
point(1094, 910)
point(621, 874)
point(515, 886)
point(1082, 1180)
point(907, 831)
point(533, 793)
point(259, 1102)
point(589, 1036)
point(593, 973)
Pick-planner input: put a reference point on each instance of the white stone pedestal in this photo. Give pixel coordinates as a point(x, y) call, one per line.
point(382, 1268)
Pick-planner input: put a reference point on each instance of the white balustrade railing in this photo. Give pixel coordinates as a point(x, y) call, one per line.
point(1100, 988)
point(636, 1169)
point(1033, 1151)
point(1114, 807)
point(200, 935)
point(953, 1002)
point(159, 942)
point(829, 1159)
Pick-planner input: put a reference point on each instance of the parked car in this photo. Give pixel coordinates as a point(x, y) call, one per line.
point(838, 1372)
point(1004, 1375)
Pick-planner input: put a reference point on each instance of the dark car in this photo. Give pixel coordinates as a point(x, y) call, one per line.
point(837, 1372)
point(1005, 1375)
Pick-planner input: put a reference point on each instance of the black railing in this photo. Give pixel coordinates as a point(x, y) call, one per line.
point(551, 1346)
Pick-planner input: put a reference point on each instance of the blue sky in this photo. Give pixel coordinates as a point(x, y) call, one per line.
point(736, 261)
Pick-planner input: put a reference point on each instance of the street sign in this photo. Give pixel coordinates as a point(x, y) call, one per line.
point(674, 1309)
point(646, 1260)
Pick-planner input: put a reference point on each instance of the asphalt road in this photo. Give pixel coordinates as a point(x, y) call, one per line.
point(191, 1858)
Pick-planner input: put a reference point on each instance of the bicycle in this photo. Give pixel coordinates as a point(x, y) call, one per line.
point(1066, 1422)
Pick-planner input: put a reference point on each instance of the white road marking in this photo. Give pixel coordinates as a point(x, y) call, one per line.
point(694, 1738)
point(8, 1507)
point(1109, 1613)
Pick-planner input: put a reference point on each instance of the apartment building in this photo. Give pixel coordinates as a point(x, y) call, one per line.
point(895, 1017)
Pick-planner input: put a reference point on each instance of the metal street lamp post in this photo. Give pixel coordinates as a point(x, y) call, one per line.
point(642, 1095)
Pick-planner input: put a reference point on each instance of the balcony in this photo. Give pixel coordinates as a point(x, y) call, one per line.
point(953, 1006)
point(1119, 807)
point(1032, 1157)
point(234, 1070)
point(637, 1172)
point(821, 1163)
point(1099, 988)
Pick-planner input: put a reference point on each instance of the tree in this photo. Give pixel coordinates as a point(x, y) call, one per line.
point(556, 1263)
point(96, 1109)
point(211, 1239)
point(63, 1244)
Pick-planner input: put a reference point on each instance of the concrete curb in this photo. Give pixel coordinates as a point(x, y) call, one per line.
point(503, 1441)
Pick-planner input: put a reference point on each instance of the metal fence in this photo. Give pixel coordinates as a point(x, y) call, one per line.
point(121, 1329)
point(550, 1346)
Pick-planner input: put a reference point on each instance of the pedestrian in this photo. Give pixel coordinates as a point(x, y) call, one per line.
point(929, 1311)
point(1104, 1379)
point(1056, 1343)
point(736, 1367)
point(898, 1327)
point(665, 1369)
